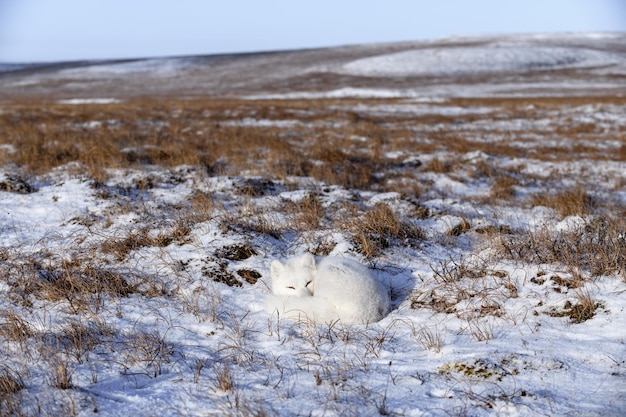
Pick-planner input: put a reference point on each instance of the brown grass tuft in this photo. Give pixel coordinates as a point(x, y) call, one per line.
point(458, 229)
point(439, 166)
point(14, 327)
point(254, 220)
point(503, 188)
point(379, 227)
point(584, 308)
point(574, 202)
point(306, 214)
point(236, 252)
point(10, 382)
point(223, 378)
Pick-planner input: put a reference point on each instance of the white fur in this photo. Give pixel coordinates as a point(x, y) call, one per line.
point(330, 289)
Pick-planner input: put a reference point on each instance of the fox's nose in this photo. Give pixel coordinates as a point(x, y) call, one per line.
point(304, 292)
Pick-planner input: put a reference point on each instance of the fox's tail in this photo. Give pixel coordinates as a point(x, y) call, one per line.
point(313, 309)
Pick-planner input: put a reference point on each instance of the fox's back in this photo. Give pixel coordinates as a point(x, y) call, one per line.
point(352, 287)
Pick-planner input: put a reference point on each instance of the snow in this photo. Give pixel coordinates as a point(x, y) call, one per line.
point(162, 66)
point(477, 60)
point(107, 100)
point(528, 363)
point(248, 121)
point(346, 92)
point(441, 91)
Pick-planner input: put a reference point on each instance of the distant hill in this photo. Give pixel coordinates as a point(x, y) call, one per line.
point(554, 64)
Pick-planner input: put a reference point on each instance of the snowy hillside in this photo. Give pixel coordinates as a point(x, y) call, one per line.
point(569, 64)
point(482, 180)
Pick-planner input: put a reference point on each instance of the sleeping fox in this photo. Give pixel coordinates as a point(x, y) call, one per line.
point(326, 290)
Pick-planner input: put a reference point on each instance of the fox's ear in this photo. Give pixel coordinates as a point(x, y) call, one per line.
point(308, 261)
point(276, 268)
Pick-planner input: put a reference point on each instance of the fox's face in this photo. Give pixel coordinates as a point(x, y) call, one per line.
point(295, 277)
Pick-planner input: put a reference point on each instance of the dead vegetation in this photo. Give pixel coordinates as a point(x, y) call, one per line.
point(571, 202)
point(583, 309)
point(596, 247)
point(343, 147)
point(469, 289)
point(11, 383)
point(380, 227)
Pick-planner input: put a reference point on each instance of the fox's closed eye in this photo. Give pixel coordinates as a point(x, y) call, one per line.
point(307, 284)
point(291, 287)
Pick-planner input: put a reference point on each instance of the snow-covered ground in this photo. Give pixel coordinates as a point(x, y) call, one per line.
point(416, 361)
point(143, 294)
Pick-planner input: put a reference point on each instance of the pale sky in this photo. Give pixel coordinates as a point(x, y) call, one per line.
point(61, 30)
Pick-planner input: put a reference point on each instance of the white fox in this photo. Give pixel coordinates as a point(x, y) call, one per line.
point(326, 290)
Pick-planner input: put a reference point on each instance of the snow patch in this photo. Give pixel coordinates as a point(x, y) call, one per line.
point(347, 92)
point(477, 60)
point(90, 101)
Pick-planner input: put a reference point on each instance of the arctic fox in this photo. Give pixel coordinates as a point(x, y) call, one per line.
point(326, 290)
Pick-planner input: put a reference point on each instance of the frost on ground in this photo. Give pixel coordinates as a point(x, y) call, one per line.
point(136, 238)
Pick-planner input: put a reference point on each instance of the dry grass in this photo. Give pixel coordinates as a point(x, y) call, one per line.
point(429, 339)
point(252, 220)
point(141, 238)
point(582, 310)
point(223, 378)
point(145, 352)
point(380, 227)
point(597, 248)
point(306, 214)
point(11, 384)
point(439, 166)
point(458, 229)
point(82, 283)
point(503, 188)
point(469, 289)
point(14, 327)
point(574, 202)
point(60, 368)
point(209, 134)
